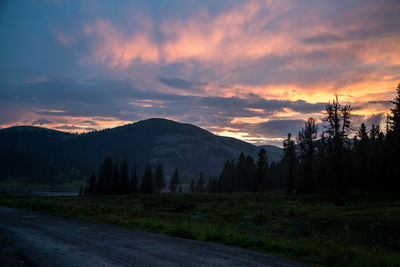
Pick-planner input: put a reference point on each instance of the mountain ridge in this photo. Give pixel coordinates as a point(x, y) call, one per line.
point(176, 145)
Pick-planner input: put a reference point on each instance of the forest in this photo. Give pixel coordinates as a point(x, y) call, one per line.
point(322, 158)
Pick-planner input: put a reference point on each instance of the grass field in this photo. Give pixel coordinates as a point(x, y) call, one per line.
point(363, 231)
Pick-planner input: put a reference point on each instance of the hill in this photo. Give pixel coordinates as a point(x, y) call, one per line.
point(49, 155)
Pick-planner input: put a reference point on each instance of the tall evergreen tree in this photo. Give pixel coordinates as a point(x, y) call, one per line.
point(249, 173)
point(116, 179)
point(146, 185)
point(175, 181)
point(227, 176)
point(159, 179)
point(338, 118)
point(394, 117)
point(124, 176)
point(134, 182)
point(289, 162)
point(104, 184)
point(260, 180)
point(361, 152)
point(200, 183)
point(92, 184)
point(393, 139)
point(307, 146)
point(240, 173)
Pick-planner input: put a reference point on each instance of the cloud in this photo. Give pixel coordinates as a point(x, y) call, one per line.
point(182, 84)
point(243, 69)
point(117, 49)
point(41, 121)
point(323, 38)
point(74, 128)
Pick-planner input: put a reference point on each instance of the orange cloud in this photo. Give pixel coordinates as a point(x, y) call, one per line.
point(116, 49)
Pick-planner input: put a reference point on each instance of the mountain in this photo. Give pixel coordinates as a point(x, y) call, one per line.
point(43, 153)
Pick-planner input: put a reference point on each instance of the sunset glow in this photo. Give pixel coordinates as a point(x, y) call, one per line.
point(252, 70)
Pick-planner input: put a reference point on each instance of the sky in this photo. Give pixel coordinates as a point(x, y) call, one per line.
point(254, 70)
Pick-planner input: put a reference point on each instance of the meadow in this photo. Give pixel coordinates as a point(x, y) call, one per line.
point(357, 230)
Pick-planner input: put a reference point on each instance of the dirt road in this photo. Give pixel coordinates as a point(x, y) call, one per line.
point(33, 239)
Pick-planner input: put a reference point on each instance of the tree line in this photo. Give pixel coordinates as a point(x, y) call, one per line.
point(336, 162)
point(322, 158)
point(114, 179)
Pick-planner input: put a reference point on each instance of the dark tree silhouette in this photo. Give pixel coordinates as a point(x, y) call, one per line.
point(307, 146)
point(124, 176)
point(159, 179)
point(361, 151)
point(394, 117)
point(289, 163)
point(260, 179)
point(175, 181)
point(146, 186)
point(227, 176)
point(338, 128)
point(134, 182)
point(104, 184)
point(92, 184)
point(200, 183)
point(116, 178)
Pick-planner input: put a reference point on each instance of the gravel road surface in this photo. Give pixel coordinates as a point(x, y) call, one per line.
point(29, 238)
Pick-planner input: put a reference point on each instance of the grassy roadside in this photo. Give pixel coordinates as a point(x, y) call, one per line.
point(363, 232)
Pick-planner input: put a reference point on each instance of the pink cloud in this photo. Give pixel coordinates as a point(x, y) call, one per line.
point(116, 49)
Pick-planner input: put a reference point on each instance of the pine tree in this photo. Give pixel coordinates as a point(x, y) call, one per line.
point(249, 172)
point(147, 187)
point(239, 182)
point(200, 183)
point(289, 163)
point(361, 151)
point(261, 172)
point(92, 184)
point(159, 178)
point(307, 146)
point(116, 179)
point(394, 117)
point(339, 125)
point(124, 176)
point(175, 181)
point(104, 184)
point(227, 176)
point(393, 141)
point(134, 182)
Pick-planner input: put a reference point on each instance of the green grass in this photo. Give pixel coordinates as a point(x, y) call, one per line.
point(14, 184)
point(364, 231)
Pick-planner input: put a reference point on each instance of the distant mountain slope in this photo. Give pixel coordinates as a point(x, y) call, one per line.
point(185, 146)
